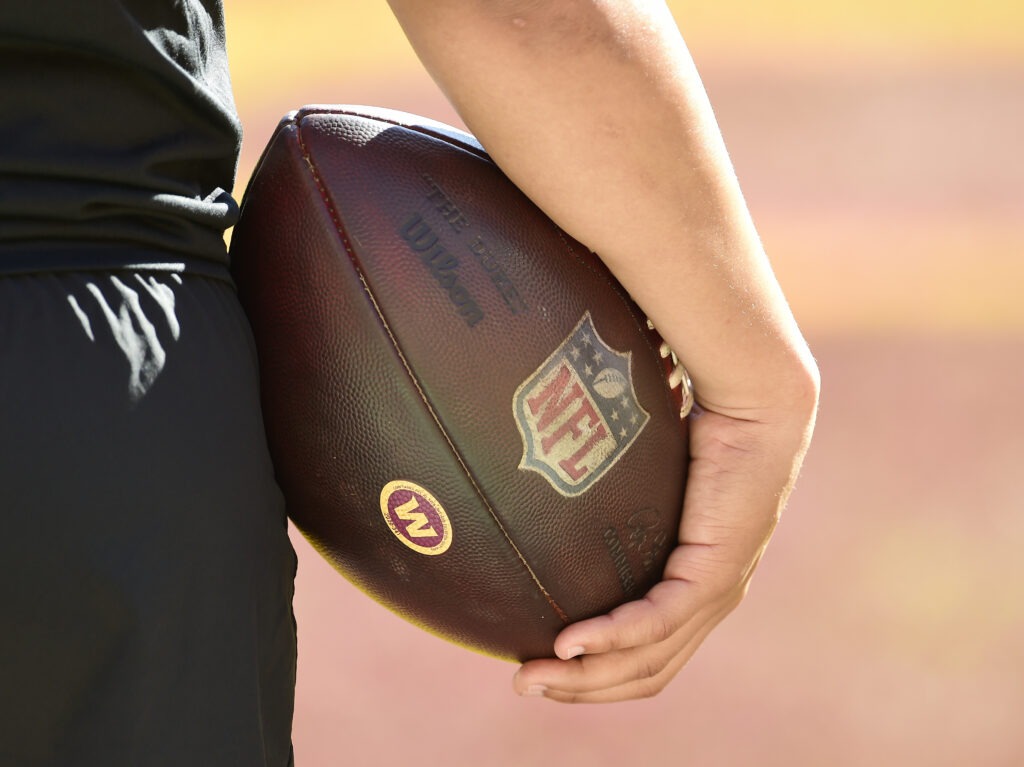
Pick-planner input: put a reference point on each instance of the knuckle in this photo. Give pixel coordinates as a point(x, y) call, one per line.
point(660, 627)
point(647, 669)
point(650, 688)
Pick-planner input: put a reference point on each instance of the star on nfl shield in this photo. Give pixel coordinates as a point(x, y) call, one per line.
point(578, 412)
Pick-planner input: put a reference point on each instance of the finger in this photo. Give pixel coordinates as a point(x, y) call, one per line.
point(632, 689)
point(596, 672)
point(667, 607)
point(697, 578)
point(610, 669)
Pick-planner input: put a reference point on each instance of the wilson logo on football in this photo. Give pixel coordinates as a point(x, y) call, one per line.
point(415, 517)
point(578, 413)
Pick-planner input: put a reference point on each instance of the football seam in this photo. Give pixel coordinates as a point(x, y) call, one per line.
point(354, 260)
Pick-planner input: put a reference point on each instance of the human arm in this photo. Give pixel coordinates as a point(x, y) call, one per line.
point(595, 109)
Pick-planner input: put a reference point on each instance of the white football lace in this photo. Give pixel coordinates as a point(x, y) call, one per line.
point(678, 378)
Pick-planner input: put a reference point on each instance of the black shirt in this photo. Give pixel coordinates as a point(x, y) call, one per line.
point(118, 132)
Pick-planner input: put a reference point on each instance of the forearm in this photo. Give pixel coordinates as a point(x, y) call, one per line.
point(596, 111)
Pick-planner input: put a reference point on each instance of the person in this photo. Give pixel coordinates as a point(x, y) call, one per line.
point(145, 570)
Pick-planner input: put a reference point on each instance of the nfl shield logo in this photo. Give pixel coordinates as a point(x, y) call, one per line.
point(578, 413)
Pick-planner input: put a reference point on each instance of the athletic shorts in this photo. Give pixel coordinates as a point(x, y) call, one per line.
point(146, 574)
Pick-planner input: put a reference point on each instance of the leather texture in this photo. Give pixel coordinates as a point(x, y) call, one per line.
point(405, 296)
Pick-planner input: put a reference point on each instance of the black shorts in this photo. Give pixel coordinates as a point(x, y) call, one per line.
point(145, 570)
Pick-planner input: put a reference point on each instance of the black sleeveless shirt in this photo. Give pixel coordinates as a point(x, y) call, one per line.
point(118, 133)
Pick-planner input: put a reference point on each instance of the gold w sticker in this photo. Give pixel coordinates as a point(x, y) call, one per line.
point(416, 517)
point(419, 525)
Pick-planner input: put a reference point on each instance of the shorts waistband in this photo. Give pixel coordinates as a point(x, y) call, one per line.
point(42, 258)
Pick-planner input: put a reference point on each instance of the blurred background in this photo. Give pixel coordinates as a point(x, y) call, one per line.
point(879, 143)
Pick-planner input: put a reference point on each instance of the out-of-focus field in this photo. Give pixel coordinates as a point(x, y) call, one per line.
point(879, 146)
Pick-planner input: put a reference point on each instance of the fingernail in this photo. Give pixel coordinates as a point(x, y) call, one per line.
point(535, 691)
point(572, 652)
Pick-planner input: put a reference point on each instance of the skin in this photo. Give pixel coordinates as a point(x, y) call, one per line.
point(599, 101)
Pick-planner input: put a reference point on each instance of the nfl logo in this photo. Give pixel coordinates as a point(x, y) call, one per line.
point(578, 412)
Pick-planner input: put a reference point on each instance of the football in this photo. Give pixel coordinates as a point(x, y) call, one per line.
point(468, 415)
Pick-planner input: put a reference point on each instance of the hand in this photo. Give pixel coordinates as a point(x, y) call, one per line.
point(740, 474)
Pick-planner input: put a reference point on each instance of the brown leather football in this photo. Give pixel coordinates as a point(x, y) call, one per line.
point(468, 416)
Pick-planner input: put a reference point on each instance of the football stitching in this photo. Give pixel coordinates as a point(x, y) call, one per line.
point(354, 259)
